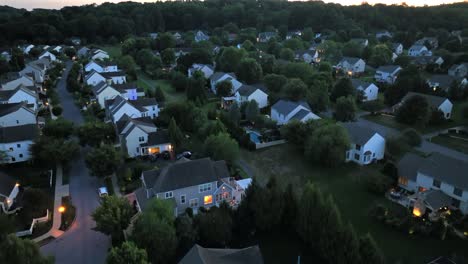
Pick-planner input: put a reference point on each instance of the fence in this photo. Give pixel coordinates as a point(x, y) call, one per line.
point(269, 144)
point(34, 222)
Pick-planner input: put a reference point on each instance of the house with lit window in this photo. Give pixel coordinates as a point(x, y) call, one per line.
point(351, 66)
point(439, 181)
point(191, 184)
point(140, 137)
point(367, 146)
point(9, 189)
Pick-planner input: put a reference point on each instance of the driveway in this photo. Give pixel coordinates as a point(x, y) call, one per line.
point(80, 244)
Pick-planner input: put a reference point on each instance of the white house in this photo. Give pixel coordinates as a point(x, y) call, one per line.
point(28, 48)
point(284, 111)
point(14, 80)
point(149, 107)
point(98, 54)
point(459, 70)
point(247, 93)
point(37, 69)
point(397, 48)
point(218, 77)
point(129, 91)
point(93, 78)
point(432, 41)
point(16, 114)
point(83, 52)
point(438, 180)
point(308, 56)
point(383, 34)
point(101, 66)
point(444, 82)
point(419, 50)
point(387, 74)
point(118, 107)
point(201, 36)
point(435, 102)
point(423, 61)
point(140, 137)
point(351, 66)
point(207, 70)
point(16, 141)
point(367, 146)
point(19, 95)
point(6, 55)
point(9, 189)
point(264, 37)
point(369, 90)
point(103, 92)
point(48, 54)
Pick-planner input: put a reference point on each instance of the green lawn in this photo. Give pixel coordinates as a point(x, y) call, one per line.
point(385, 120)
point(354, 201)
point(114, 51)
point(457, 144)
point(145, 82)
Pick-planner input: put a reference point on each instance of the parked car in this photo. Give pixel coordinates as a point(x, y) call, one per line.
point(166, 155)
point(185, 154)
point(103, 192)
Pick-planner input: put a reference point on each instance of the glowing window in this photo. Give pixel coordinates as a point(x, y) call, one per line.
point(208, 199)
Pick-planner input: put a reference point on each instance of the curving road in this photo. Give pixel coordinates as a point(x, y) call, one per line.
point(80, 244)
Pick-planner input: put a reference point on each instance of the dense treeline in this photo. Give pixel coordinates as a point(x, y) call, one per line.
point(96, 23)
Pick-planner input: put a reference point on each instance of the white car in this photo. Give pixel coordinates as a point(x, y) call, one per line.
point(103, 192)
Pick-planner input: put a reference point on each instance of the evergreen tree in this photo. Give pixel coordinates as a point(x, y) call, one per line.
point(175, 134)
point(369, 251)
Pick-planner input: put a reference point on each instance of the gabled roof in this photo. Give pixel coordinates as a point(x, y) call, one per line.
point(417, 47)
point(7, 94)
point(100, 87)
point(408, 166)
point(142, 102)
point(389, 68)
point(396, 45)
point(246, 90)
point(187, 173)
point(350, 60)
point(122, 87)
point(126, 124)
point(446, 169)
point(424, 60)
point(285, 106)
point(434, 101)
point(157, 138)
point(200, 255)
point(300, 114)
point(444, 80)
point(115, 104)
point(358, 84)
point(108, 75)
point(359, 134)
point(217, 75)
point(18, 133)
point(6, 109)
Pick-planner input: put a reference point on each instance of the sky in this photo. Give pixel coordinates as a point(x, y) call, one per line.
point(30, 4)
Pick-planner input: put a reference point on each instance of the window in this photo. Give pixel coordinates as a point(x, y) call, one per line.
point(18, 145)
point(17, 121)
point(204, 187)
point(457, 191)
point(358, 147)
point(13, 159)
point(141, 139)
point(357, 157)
point(347, 154)
point(193, 202)
point(168, 195)
point(20, 155)
point(403, 181)
point(182, 199)
point(436, 183)
point(208, 199)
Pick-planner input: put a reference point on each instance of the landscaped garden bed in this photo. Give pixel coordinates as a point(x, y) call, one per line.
point(69, 213)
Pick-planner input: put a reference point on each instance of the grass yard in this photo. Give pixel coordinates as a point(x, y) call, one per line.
point(145, 82)
point(458, 144)
point(114, 51)
point(385, 120)
point(345, 185)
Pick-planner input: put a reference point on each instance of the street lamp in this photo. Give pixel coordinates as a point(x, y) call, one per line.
point(61, 209)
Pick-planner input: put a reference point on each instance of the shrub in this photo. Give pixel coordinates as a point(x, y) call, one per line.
point(411, 137)
point(377, 183)
point(57, 110)
point(465, 112)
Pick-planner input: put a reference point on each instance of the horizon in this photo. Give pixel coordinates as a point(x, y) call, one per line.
point(58, 4)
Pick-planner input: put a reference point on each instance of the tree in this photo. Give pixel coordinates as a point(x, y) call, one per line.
point(165, 41)
point(230, 58)
point(70, 52)
point(286, 54)
point(221, 147)
point(212, 128)
point(381, 55)
point(352, 49)
point(168, 56)
point(224, 88)
point(186, 232)
point(318, 97)
point(308, 224)
point(414, 111)
point(249, 71)
point(126, 253)
point(215, 227)
point(53, 150)
point(159, 94)
point(295, 89)
point(175, 134)
point(343, 87)
point(369, 252)
point(252, 111)
point(234, 114)
point(59, 128)
point(299, 70)
point(17, 60)
point(144, 58)
point(96, 133)
point(113, 216)
point(345, 109)
point(17, 250)
point(294, 44)
point(327, 145)
point(275, 82)
point(158, 218)
point(102, 161)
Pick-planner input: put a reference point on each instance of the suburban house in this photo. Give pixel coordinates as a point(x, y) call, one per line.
point(387, 74)
point(93, 78)
point(369, 90)
point(361, 41)
point(118, 107)
point(218, 77)
point(397, 48)
point(351, 65)
point(15, 142)
point(201, 36)
point(419, 50)
point(294, 33)
point(206, 69)
point(179, 52)
point(284, 111)
point(459, 70)
point(83, 52)
point(201, 255)
point(27, 48)
point(129, 91)
point(431, 41)
point(367, 146)
point(6, 55)
point(435, 102)
point(101, 66)
point(98, 54)
point(149, 105)
point(153, 35)
point(19, 95)
point(37, 68)
point(264, 37)
point(383, 34)
point(16, 114)
point(49, 55)
point(191, 184)
point(308, 56)
point(423, 61)
point(15, 79)
point(438, 180)
point(140, 137)
point(9, 189)
point(75, 41)
point(103, 92)
point(247, 93)
point(444, 82)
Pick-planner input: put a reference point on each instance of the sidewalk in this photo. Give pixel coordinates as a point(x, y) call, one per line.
point(60, 191)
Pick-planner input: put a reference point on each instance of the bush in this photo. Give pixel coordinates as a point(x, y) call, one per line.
point(57, 110)
point(377, 183)
point(411, 137)
point(465, 112)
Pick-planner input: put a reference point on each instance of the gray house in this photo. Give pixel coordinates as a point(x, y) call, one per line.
point(200, 255)
point(191, 184)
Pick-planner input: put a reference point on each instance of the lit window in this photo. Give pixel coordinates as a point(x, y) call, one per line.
point(168, 195)
point(403, 181)
point(208, 199)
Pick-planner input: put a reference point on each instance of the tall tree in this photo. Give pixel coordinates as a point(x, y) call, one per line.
point(96, 133)
point(369, 251)
point(345, 109)
point(175, 134)
point(343, 87)
point(224, 88)
point(252, 111)
point(222, 147)
point(126, 253)
point(327, 145)
point(17, 250)
point(249, 71)
point(103, 161)
point(414, 111)
point(59, 128)
point(295, 90)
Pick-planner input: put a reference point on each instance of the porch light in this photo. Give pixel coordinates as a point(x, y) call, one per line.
point(8, 201)
point(61, 209)
point(416, 212)
point(17, 185)
point(465, 233)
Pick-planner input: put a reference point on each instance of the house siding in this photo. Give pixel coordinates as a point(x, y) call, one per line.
point(107, 94)
point(376, 145)
point(132, 141)
point(446, 108)
point(21, 96)
point(15, 83)
point(18, 118)
point(15, 152)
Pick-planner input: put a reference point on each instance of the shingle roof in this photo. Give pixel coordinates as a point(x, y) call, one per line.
point(350, 60)
point(200, 255)
point(108, 75)
point(6, 184)
point(187, 173)
point(300, 114)
point(388, 68)
point(408, 166)
point(424, 60)
point(437, 199)
point(434, 101)
point(217, 75)
point(357, 84)
point(444, 80)
point(285, 106)
point(18, 133)
point(359, 134)
point(446, 169)
point(142, 102)
point(157, 138)
point(6, 109)
point(246, 90)
point(417, 47)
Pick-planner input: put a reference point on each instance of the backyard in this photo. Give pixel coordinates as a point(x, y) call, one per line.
point(453, 141)
point(145, 82)
point(344, 183)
